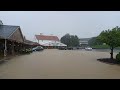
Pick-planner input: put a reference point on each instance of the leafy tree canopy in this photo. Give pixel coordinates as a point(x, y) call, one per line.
point(70, 40)
point(111, 38)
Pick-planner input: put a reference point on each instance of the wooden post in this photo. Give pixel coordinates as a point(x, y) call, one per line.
point(5, 49)
point(13, 52)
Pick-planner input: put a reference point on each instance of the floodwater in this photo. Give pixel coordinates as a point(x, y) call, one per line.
point(59, 64)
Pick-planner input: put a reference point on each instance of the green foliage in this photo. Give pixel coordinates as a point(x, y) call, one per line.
point(1, 23)
point(118, 57)
point(25, 51)
point(70, 40)
point(94, 41)
point(110, 37)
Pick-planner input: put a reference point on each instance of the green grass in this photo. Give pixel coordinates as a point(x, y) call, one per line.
point(102, 47)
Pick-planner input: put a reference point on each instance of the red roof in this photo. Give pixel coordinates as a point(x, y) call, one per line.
point(45, 37)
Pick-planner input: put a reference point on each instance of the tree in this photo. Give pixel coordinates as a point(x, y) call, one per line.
point(94, 41)
point(65, 39)
point(1, 23)
point(70, 40)
point(111, 38)
point(76, 40)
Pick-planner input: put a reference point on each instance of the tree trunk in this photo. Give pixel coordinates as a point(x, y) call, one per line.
point(111, 53)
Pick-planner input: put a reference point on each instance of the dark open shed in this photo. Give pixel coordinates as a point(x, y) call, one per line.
point(11, 40)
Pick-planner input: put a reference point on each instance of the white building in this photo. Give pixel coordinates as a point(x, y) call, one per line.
point(84, 42)
point(49, 41)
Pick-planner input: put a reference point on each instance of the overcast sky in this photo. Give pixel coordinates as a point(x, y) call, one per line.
point(85, 24)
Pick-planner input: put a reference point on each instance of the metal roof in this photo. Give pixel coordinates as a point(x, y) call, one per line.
point(46, 37)
point(7, 30)
point(85, 39)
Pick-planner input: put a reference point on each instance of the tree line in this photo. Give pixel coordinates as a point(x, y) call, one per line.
point(110, 37)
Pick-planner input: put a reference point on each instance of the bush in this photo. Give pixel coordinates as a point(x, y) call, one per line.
point(118, 57)
point(26, 51)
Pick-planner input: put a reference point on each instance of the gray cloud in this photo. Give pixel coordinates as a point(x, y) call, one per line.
point(82, 23)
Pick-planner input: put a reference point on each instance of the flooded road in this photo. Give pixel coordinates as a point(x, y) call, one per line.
point(59, 64)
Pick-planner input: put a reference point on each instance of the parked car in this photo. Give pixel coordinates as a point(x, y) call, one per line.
point(88, 48)
point(62, 48)
point(75, 48)
point(70, 48)
point(38, 48)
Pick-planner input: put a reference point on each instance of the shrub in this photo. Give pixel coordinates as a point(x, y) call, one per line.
point(118, 57)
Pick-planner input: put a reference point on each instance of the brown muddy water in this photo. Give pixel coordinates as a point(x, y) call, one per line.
point(59, 64)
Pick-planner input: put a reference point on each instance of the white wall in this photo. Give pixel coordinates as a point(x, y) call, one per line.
point(49, 42)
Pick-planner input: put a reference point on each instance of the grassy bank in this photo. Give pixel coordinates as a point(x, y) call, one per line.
point(102, 47)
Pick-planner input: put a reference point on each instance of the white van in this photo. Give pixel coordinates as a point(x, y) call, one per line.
point(88, 48)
